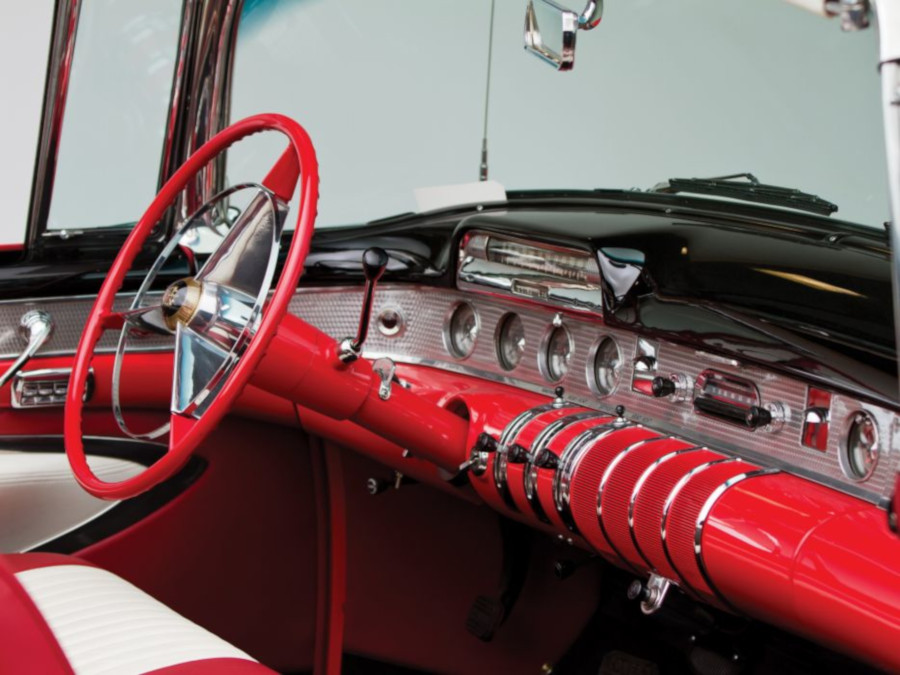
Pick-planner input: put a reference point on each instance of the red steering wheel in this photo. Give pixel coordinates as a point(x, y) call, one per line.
point(213, 317)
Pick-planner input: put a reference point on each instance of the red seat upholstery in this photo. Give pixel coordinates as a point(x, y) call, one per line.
point(61, 615)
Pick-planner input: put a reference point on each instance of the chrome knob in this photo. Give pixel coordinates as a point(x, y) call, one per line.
point(35, 327)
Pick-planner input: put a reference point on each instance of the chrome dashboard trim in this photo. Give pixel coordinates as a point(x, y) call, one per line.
point(590, 366)
point(569, 461)
point(638, 485)
point(478, 273)
point(673, 495)
point(540, 443)
point(507, 438)
point(603, 481)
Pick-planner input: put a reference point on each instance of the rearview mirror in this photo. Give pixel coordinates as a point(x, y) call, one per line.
point(550, 30)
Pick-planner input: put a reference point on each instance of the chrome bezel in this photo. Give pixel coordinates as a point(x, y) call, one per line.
point(447, 333)
point(590, 366)
point(397, 330)
point(544, 352)
point(844, 455)
point(498, 340)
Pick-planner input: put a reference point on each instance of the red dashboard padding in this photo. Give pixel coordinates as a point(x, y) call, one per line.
point(657, 485)
point(683, 519)
point(586, 478)
point(811, 560)
point(615, 498)
point(27, 644)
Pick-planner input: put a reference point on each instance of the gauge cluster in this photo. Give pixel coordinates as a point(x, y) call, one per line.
point(736, 408)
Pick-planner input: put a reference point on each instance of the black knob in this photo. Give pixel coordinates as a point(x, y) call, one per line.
point(662, 386)
point(620, 411)
point(546, 460)
point(638, 591)
point(485, 443)
point(757, 417)
point(559, 392)
point(374, 262)
point(375, 486)
point(517, 454)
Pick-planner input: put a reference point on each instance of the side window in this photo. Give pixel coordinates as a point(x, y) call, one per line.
point(115, 115)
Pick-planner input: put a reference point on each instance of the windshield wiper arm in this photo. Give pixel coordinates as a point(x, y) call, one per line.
point(750, 190)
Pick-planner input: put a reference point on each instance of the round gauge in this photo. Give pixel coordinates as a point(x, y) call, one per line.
point(510, 341)
point(860, 451)
point(557, 352)
point(604, 366)
point(462, 330)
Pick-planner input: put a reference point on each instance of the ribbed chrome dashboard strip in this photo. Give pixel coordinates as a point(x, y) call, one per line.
point(571, 456)
point(673, 494)
point(638, 485)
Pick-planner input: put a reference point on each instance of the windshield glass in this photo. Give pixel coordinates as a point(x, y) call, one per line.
point(393, 95)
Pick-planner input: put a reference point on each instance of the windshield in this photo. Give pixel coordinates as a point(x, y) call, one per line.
point(393, 95)
point(397, 97)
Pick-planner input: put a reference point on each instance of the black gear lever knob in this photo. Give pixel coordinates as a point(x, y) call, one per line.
point(374, 262)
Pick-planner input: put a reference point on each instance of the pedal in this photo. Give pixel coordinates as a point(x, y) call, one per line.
point(485, 616)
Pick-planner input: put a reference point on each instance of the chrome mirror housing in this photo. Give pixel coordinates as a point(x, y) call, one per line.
point(550, 30)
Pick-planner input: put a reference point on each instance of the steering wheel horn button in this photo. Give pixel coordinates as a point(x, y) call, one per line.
point(180, 301)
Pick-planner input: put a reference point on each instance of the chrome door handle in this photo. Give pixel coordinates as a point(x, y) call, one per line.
point(35, 327)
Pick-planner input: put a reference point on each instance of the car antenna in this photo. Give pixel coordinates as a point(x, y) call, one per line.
point(483, 172)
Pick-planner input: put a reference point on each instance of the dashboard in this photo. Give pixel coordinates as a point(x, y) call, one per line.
point(539, 348)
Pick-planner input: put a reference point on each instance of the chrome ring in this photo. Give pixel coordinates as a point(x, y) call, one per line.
point(639, 484)
point(673, 494)
point(569, 461)
point(701, 522)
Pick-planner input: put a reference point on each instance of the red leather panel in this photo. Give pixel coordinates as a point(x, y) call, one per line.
point(235, 551)
point(26, 643)
point(616, 496)
point(650, 500)
point(418, 558)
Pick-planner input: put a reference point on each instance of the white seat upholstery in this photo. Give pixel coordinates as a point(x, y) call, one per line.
point(107, 626)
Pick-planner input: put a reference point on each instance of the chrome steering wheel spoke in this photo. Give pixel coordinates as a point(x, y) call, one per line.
point(212, 315)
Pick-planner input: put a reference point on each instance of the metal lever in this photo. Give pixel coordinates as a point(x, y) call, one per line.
point(35, 327)
point(374, 262)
